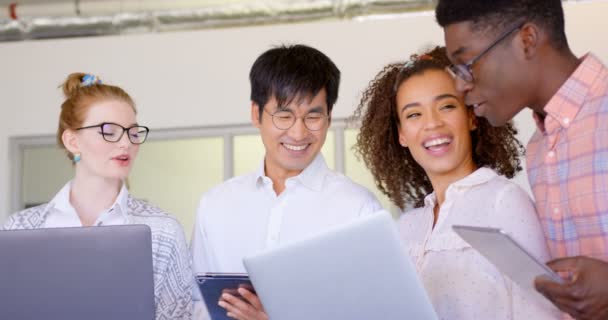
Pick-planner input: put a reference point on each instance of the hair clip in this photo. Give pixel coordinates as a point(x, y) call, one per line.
point(415, 58)
point(89, 80)
point(406, 65)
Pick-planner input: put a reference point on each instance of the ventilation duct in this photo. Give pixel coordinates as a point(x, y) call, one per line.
point(60, 19)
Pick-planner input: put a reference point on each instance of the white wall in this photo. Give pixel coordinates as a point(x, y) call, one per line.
point(199, 78)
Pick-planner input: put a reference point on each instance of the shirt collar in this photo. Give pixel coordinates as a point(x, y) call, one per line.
point(565, 104)
point(61, 201)
point(260, 174)
point(122, 200)
point(478, 177)
point(430, 200)
point(312, 176)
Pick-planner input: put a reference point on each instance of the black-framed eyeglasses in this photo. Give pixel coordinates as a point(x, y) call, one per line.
point(113, 132)
point(464, 71)
point(285, 119)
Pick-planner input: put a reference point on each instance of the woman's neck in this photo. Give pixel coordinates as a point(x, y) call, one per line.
point(91, 195)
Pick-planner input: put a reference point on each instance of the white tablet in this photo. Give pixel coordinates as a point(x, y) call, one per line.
point(506, 254)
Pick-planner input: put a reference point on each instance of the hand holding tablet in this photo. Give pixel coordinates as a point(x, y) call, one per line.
point(213, 285)
point(510, 257)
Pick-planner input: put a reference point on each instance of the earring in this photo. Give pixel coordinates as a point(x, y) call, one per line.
point(76, 157)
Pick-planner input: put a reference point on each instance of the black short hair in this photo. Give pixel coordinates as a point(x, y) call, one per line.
point(297, 71)
point(548, 14)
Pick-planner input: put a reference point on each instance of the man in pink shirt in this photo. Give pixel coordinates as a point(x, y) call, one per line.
point(511, 54)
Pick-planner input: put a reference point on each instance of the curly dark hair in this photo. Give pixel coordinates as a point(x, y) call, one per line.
point(395, 171)
point(501, 14)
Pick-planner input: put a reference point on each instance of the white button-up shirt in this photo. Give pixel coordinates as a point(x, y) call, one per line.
point(244, 215)
point(460, 282)
point(61, 213)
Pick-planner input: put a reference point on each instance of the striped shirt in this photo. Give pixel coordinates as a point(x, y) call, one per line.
point(567, 161)
point(170, 256)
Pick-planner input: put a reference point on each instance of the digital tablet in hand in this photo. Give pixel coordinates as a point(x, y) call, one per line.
point(510, 257)
point(213, 285)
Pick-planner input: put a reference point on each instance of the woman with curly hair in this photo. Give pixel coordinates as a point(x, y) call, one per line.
point(427, 149)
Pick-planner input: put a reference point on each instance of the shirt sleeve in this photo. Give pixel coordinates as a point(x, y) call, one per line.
point(8, 223)
point(30, 218)
point(198, 243)
point(174, 290)
point(515, 214)
point(200, 260)
point(370, 205)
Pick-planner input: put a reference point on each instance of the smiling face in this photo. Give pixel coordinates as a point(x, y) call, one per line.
point(435, 125)
point(290, 151)
point(99, 157)
point(502, 84)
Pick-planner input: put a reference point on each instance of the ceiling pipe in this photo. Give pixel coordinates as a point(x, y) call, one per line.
point(110, 17)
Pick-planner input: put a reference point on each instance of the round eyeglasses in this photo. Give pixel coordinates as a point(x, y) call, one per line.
point(112, 132)
point(464, 71)
point(285, 119)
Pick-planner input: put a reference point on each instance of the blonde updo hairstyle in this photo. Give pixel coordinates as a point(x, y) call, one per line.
point(79, 97)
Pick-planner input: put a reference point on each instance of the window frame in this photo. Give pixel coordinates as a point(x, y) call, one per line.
point(18, 145)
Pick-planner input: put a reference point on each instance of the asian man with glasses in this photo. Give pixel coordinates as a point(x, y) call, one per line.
point(292, 194)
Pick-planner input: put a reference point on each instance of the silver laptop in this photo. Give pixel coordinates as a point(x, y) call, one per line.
point(77, 273)
point(355, 271)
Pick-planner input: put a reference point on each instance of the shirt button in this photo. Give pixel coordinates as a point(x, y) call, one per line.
point(556, 212)
point(566, 121)
point(551, 154)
